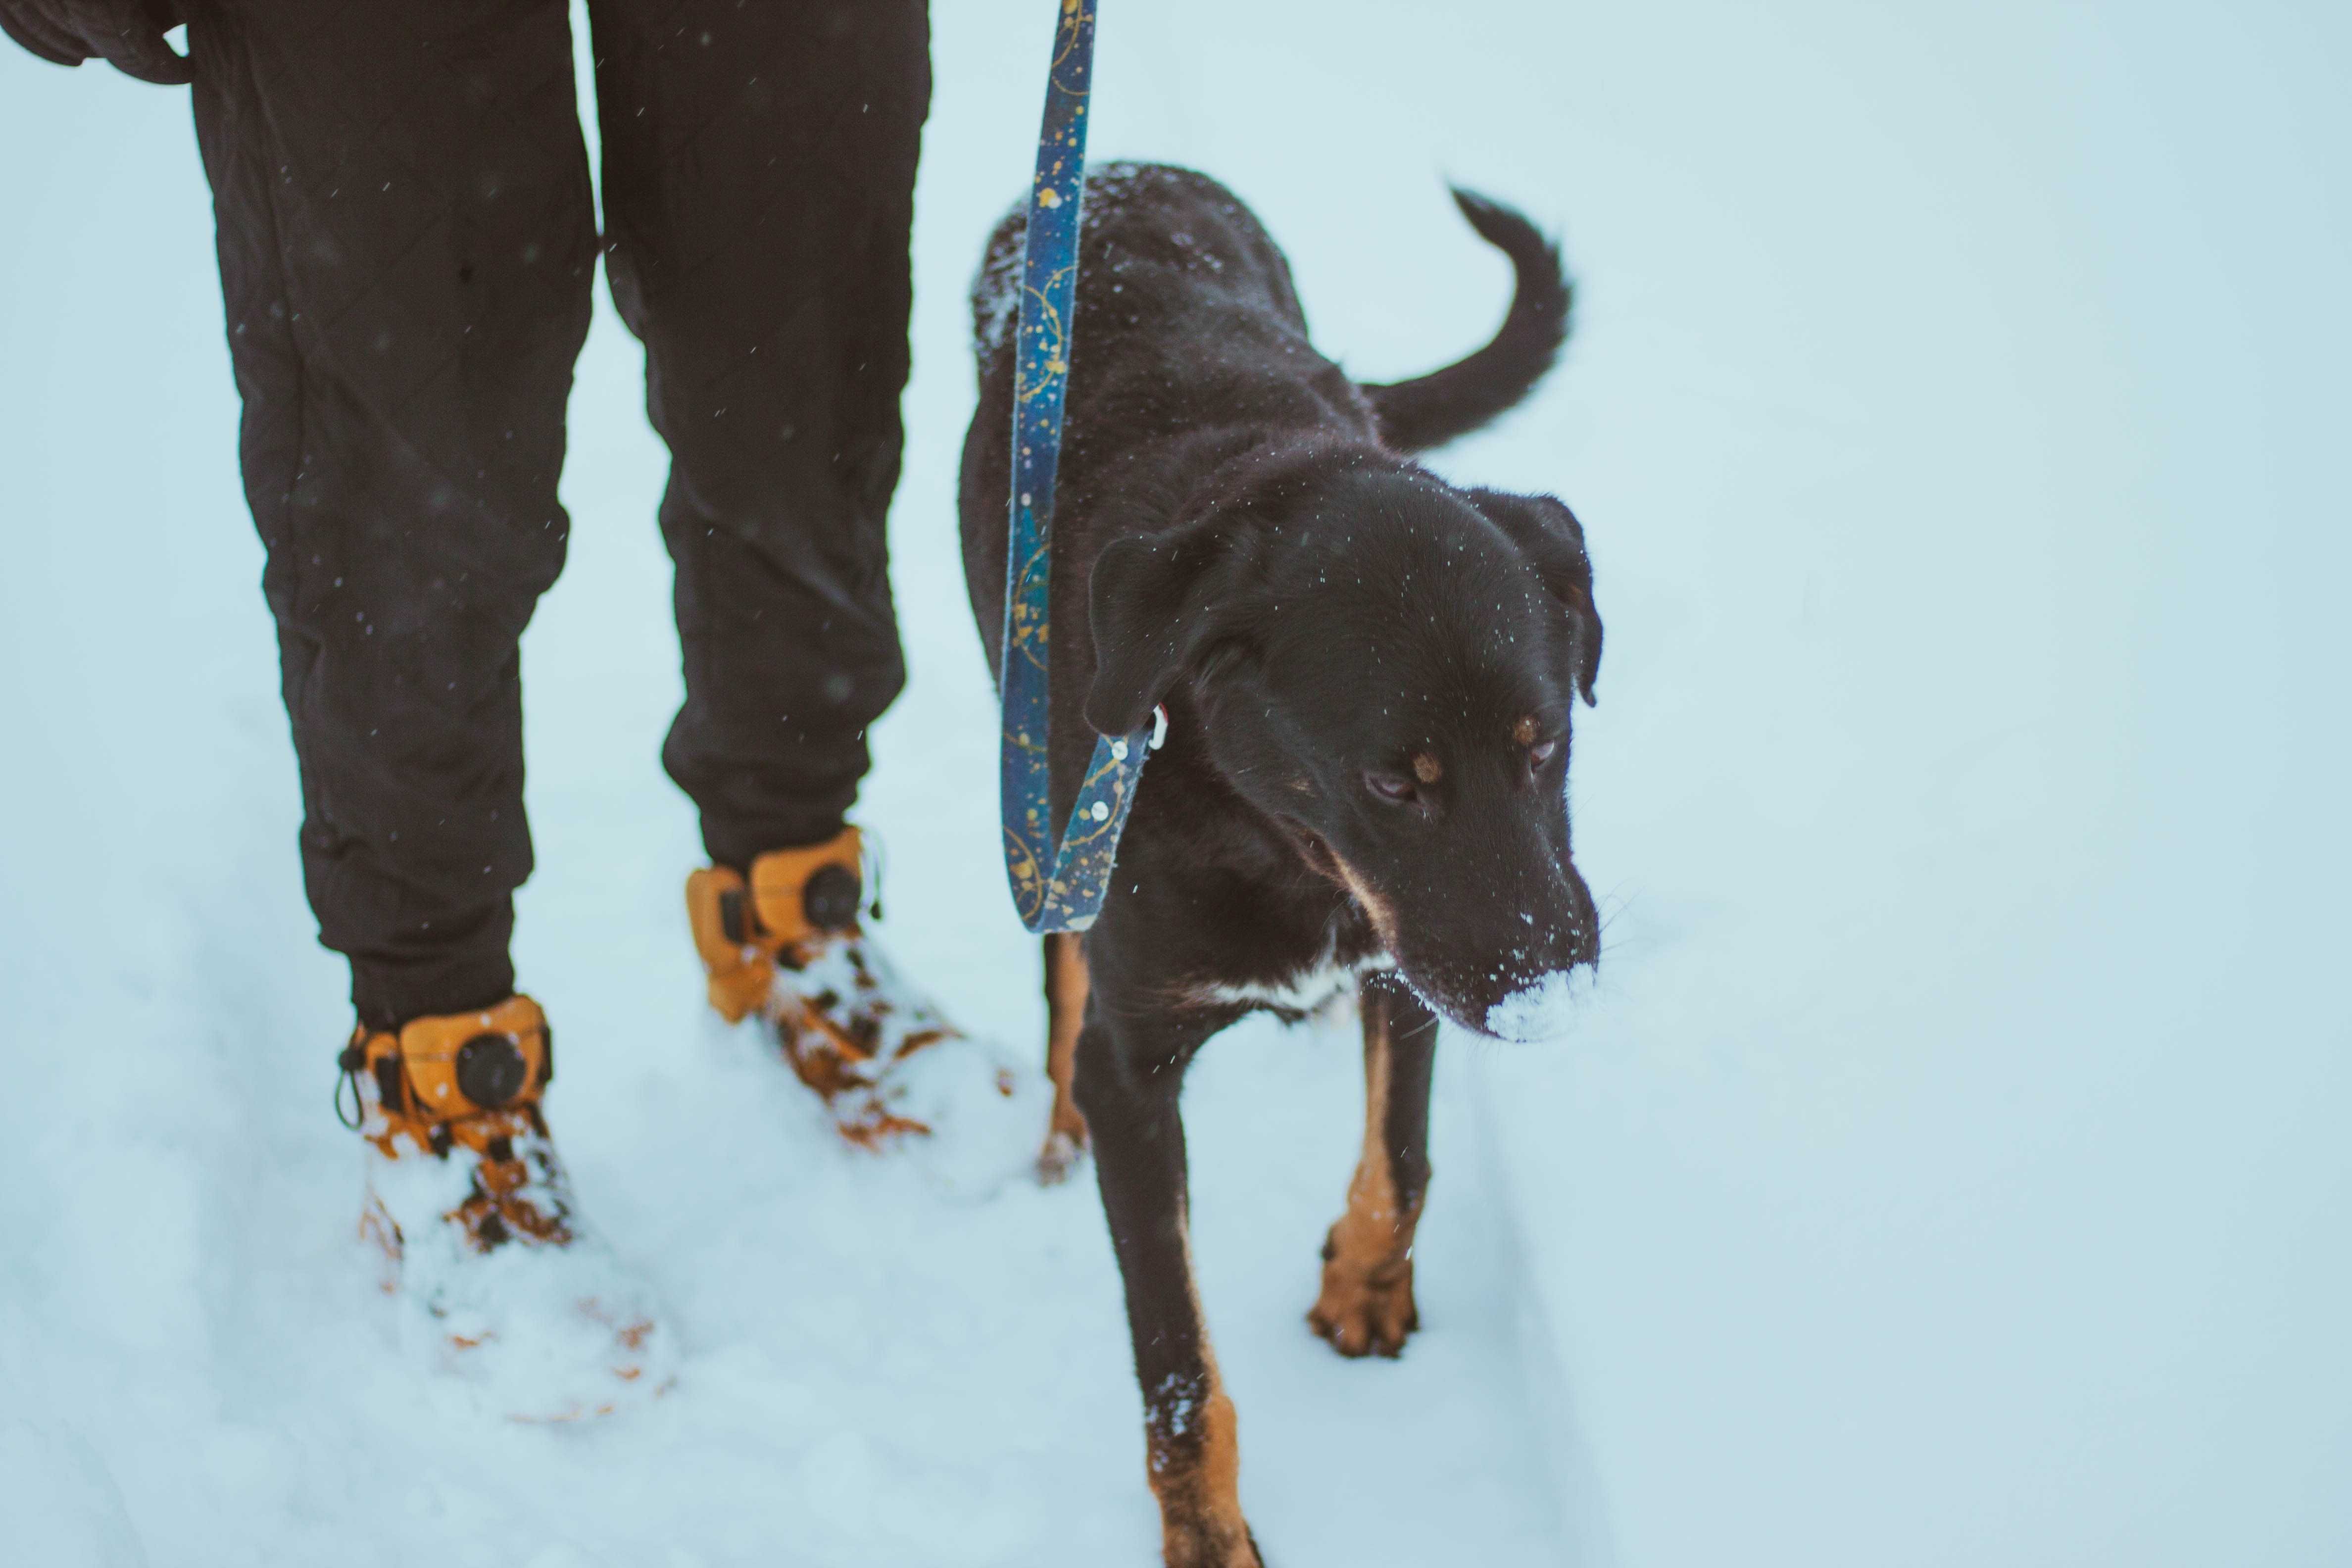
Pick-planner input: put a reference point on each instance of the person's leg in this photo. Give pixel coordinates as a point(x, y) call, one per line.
point(758, 190)
point(407, 247)
point(759, 200)
point(406, 244)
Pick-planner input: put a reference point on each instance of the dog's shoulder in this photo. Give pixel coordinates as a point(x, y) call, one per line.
point(1150, 231)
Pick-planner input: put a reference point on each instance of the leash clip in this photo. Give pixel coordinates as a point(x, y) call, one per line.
point(1159, 726)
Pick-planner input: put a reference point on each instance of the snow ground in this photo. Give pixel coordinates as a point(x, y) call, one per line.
point(1953, 1168)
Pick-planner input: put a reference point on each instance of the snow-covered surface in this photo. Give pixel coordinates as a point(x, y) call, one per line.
point(1950, 1169)
point(531, 1333)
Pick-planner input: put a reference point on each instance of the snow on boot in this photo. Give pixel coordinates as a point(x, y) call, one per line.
point(506, 1287)
point(787, 945)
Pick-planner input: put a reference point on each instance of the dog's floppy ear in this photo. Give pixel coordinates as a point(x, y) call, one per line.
point(1157, 602)
point(1554, 543)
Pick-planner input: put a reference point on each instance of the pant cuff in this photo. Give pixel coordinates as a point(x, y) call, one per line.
point(738, 842)
point(388, 996)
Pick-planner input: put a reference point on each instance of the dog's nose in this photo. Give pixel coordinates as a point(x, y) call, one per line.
point(1544, 1009)
point(1543, 983)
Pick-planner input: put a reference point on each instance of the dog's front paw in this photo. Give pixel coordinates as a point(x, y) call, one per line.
point(1209, 1541)
point(1060, 1156)
point(1366, 1307)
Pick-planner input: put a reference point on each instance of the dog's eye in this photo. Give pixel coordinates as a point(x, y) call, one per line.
point(1391, 787)
point(1543, 751)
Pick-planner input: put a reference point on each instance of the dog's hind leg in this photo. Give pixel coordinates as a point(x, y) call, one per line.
point(1127, 1086)
point(1367, 1301)
point(1066, 1012)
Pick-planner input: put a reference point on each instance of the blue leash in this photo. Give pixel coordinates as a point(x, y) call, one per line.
point(1068, 897)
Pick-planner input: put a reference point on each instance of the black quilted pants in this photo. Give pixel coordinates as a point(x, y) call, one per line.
point(406, 246)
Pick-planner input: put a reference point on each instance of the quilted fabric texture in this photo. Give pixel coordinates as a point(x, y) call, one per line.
point(407, 241)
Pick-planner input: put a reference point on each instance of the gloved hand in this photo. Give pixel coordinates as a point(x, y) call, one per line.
point(127, 32)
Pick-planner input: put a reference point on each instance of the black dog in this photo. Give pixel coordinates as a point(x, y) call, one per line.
point(1368, 675)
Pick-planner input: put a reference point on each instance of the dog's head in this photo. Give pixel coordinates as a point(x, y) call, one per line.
point(1386, 666)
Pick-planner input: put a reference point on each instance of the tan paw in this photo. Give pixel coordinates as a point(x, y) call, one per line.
point(1219, 1541)
point(1366, 1307)
point(1060, 1156)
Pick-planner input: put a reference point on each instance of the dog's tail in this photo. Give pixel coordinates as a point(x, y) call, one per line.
point(1431, 410)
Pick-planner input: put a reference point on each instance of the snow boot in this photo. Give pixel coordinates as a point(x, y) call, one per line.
point(470, 1206)
point(786, 943)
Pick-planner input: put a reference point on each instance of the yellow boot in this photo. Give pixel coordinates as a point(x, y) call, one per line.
point(481, 1237)
point(787, 944)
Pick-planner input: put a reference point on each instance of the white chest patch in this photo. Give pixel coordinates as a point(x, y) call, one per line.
point(1303, 994)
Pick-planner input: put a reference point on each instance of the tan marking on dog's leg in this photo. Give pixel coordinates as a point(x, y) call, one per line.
point(1194, 1458)
point(1197, 1479)
point(1066, 1013)
point(1366, 1305)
